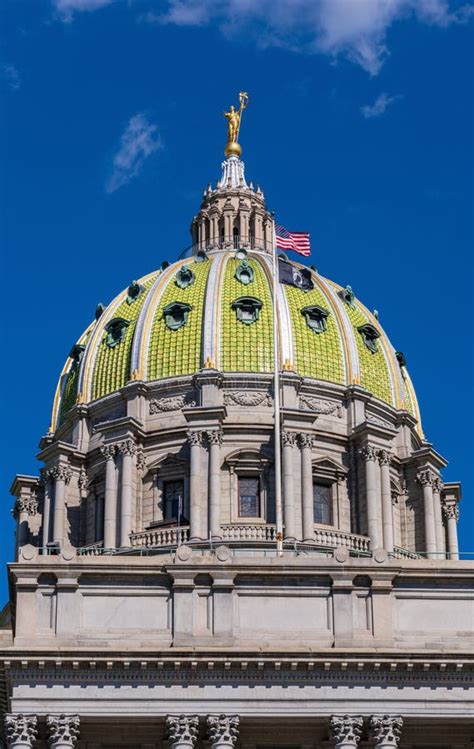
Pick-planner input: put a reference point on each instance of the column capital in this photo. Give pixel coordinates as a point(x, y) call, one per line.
point(438, 485)
point(451, 511)
point(385, 730)
point(288, 438)
point(182, 729)
point(368, 452)
point(108, 451)
point(426, 477)
point(345, 729)
point(223, 729)
point(306, 439)
point(127, 447)
point(25, 504)
point(63, 730)
point(215, 436)
point(385, 457)
point(195, 437)
point(20, 729)
point(61, 472)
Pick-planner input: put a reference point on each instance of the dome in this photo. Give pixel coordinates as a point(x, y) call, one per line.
point(214, 310)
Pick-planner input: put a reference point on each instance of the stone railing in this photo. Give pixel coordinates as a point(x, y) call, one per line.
point(160, 537)
point(335, 538)
point(248, 532)
point(399, 553)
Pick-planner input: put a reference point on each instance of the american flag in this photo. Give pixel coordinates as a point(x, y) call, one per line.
point(298, 241)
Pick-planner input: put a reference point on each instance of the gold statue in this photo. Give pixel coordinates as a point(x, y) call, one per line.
point(234, 118)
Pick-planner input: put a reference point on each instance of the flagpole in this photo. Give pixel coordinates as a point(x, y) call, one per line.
point(276, 400)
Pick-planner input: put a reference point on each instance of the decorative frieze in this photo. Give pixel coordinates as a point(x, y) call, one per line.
point(20, 730)
point(223, 730)
point(63, 730)
point(386, 730)
point(320, 406)
point(345, 730)
point(182, 730)
point(173, 403)
point(378, 421)
point(249, 398)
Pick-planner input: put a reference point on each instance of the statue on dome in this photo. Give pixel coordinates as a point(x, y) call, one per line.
point(234, 117)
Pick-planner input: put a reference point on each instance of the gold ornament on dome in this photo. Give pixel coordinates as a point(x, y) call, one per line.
point(234, 120)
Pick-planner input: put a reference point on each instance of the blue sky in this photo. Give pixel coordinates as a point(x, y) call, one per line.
point(359, 130)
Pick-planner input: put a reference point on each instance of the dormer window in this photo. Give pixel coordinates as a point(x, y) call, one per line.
point(176, 315)
point(244, 273)
point(184, 277)
point(76, 354)
point(115, 330)
point(369, 336)
point(134, 291)
point(315, 318)
point(247, 309)
point(347, 296)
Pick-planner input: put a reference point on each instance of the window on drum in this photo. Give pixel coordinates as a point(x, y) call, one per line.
point(249, 497)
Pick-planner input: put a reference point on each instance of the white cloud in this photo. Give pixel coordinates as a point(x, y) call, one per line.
point(379, 106)
point(138, 142)
point(67, 8)
point(354, 29)
point(11, 76)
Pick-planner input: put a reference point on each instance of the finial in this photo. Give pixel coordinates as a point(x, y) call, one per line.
point(234, 118)
point(209, 364)
point(136, 375)
point(288, 366)
point(80, 399)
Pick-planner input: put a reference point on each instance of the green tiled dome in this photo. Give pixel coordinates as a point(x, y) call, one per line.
point(204, 312)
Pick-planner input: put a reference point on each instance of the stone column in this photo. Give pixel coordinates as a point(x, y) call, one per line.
point(20, 730)
point(387, 516)
point(24, 507)
point(385, 731)
point(110, 501)
point(127, 450)
point(345, 731)
point(182, 731)
point(369, 456)
point(306, 444)
point(48, 496)
point(451, 513)
point(439, 526)
point(215, 441)
point(288, 440)
point(223, 730)
point(426, 479)
point(196, 519)
point(63, 731)
point(62, 476)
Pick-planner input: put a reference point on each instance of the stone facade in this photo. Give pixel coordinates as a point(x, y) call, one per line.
point(151, 604)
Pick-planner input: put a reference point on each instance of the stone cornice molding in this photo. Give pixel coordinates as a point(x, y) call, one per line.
point(223, 729)
point(62, 729)
point(20, 728)
point(182, 728)
point(368, 452)
point(386, 730)
point(127, 447)
point(345, 729)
